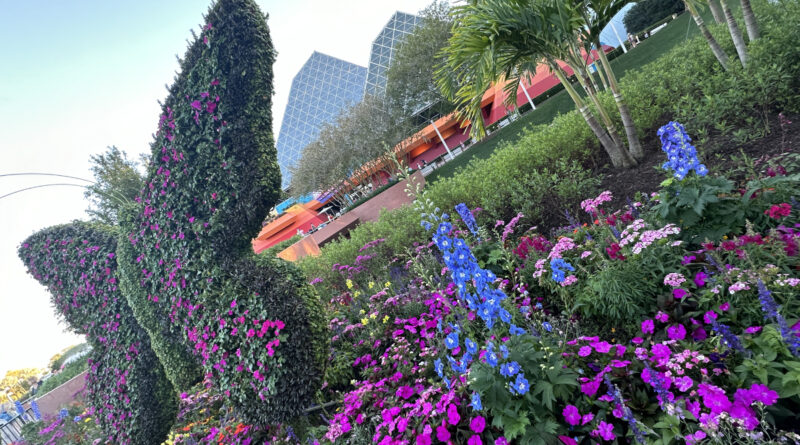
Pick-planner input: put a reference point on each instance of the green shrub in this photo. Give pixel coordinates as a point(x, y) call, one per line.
point(132, 398)
point(253, 324)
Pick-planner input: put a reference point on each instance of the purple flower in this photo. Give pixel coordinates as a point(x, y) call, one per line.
point(572, 415)
point(605, 430)
point(452, 415)
point(648, 327)
point(478, 424)
point(475, 440)
point(677, 332)
point(762, 393)
point(679, 293)
point(700, 279)
point(752, 329)
point(585, 351)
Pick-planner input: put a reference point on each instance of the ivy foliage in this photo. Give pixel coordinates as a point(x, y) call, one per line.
point(212, 178)
point(130, 395)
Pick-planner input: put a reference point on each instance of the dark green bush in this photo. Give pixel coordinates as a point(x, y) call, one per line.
point(131, 396)
point(212, 179)
point(647, 12)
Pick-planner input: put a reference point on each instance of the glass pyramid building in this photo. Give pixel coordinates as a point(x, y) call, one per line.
point(400, 25)
point(322, 87)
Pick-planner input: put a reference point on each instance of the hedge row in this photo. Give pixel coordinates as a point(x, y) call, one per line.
point(253, 325)
point(129, 393)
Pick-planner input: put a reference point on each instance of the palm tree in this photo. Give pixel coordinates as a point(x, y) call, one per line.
point(502, 40)
point(597, 14)
point(719, 53)
point(716, 11)
point(750, 22)
point(736, 33)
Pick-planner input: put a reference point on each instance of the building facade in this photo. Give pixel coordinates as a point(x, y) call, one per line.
point(320, 90)
point(383, 47)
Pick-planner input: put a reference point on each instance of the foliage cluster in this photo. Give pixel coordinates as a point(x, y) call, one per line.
point(188, 267)
point(69, 371)
point(130, 397)
point(647, 12)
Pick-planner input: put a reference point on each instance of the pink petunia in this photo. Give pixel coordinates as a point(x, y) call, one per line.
point(478, 424)
point(571, 415)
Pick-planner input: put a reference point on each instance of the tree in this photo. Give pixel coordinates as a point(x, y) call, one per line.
point(361, 135)
point(117, 181)
point(647, 12)
point(410, 85)
point(750, 21)
point(719, 53)
point(502, 41)
point(736, 33)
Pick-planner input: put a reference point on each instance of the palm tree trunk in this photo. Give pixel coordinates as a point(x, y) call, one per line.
point(610, 127)
point(719, 53)
point(634, 145)
point(736, 33)
point(716, 11)
point(750, 21)
point(618, 156)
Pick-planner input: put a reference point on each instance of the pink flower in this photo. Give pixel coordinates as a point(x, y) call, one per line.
point(567, 440)
point(700, 279)
point(585, 351)
point(587, 418)
point(590, 388)
point(709, 317)
point(475, 440)
point(648, 327)
point(571, 414)
point(677, 332)
point(762, 393)
point(662, 317)
point(753, 329)
point(405, 392)
point(501, 441)
point(637, 340)
point(424, 439)
point(602, 347)
point(477, 424)
point(724, 306)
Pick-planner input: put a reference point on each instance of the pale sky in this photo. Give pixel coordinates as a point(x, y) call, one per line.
point(77, 76)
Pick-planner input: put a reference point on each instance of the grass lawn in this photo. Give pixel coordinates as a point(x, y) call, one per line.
point(647, 51)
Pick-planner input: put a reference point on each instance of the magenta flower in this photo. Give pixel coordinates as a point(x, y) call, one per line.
point(571, 415)
point(679, 293)
point(648, 327)
point(452, 415)
point(585, 351)
point(709, 317)
point(762, 393)
point(478, 424)
point(475, 440)
point(637, 340)
point(725, 306)
point(424, 439)
point(587, 418)
point(602, 346)
point(566, 440)
point(677, 332)
point(605, 430)
point(662, 317)
point(405, 392)
point(501, 441)
point(700, 279)
point(442, 434)
point(753, 329)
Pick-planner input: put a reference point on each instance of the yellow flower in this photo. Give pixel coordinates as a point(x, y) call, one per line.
point(87, 419)
point(349, 283)
point(364, 321)
point(357, 293)
point(613, 330)
point(371, 284)
point(362, 312)
point(387, 284)
point(373, 315)
point(385, 319)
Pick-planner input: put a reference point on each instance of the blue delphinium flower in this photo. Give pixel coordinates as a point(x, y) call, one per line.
point(472, 347)
point(504, 351)
point(771, 308)
point(520, 385)
point(509, 369)
point(547, 326)
point(76, 419)
point(19, 408)
point(729, 338)
point(466, 216)
point(451, 341)
point(476, 401)
point(63, 413)
point(681, 154)
point(514, 330)
point(491, 358)
point(558, 265)
point(35, 408)
point(438, 367)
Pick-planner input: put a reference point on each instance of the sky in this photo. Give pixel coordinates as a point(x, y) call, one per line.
point(77, 76)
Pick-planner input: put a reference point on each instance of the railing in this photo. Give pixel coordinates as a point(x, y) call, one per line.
point(11, 432)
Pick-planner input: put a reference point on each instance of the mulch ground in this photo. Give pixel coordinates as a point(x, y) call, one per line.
point(721, 154)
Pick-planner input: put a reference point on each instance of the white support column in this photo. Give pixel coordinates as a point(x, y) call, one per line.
point(441, 139)
point(525, 90)
point(614, 28)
